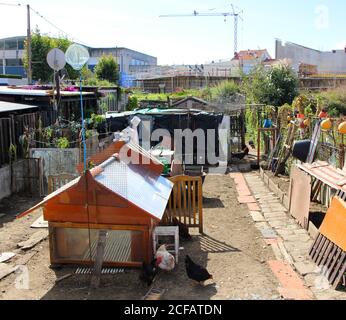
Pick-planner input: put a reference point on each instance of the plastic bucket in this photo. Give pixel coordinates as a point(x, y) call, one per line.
point(301, 150)
point(267, 123)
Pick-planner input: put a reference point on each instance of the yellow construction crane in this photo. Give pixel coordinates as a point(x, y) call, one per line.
point(234, 14)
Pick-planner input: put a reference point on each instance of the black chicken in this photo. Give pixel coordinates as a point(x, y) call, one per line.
point(149, 272)
point(196, 272)
point(183, 229)
point(241, 155)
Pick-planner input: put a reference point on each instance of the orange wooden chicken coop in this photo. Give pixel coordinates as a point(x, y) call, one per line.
point(125, 199)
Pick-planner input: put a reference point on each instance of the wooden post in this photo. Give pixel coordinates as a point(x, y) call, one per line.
point(29, 46)
point(258, 146)
point(95, 280)
point(200, 206)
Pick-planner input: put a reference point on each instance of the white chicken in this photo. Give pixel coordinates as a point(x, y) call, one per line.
point(165, 260)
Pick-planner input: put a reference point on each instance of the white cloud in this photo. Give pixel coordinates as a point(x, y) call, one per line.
point(340, 45)
point(322, 17)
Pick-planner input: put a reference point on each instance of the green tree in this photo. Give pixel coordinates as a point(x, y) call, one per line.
point(275, 86)
point(107, 69)
point(41, 45)
point(225, 90)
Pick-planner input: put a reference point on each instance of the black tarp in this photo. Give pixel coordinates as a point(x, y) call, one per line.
point(176, 121)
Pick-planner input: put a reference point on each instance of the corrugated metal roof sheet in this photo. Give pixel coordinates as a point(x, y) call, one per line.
point(141, 187)
point(328, 174)
point(9, 106)
point(38, 93)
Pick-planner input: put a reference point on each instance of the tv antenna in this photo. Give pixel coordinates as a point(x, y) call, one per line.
point(56, 60)
point(77, 56)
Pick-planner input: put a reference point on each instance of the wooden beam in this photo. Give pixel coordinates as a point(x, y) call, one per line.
point(95, 280)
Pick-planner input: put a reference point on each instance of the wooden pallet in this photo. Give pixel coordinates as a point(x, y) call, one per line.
point(328, 255)
point(331, 258)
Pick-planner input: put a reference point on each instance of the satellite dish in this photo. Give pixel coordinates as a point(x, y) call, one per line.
point(56, 59)
point(77, 56)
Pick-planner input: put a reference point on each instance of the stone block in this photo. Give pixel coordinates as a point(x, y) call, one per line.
point(305, 267)
point(257, 216)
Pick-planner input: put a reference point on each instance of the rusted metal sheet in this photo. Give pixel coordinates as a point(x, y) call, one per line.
point(334, 223)
point(328, 174)
point(300, 193)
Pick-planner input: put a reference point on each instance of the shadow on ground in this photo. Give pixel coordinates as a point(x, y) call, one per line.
point(212, 203)
point(16, 204)
point(126, 285)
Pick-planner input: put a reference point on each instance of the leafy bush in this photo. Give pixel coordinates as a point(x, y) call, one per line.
point(89, 134)
point(275, 86)
point(97, 119)
point(40, 46)
point(63, 143)
point(334, 100)
point(107, 69)
point(225, 90)
point(132, 103)
point(207, 94)
point(94, 82)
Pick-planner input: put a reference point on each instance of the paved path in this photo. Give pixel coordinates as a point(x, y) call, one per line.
point(298, 276)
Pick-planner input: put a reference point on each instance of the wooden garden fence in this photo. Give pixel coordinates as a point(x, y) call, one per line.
point(186, 202)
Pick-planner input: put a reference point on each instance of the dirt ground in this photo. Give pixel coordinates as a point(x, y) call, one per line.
point(232, 249)
point(281, 180)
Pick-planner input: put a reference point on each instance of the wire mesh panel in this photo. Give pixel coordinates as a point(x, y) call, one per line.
point(72, 246)
point(332, 155)
point(6, 139)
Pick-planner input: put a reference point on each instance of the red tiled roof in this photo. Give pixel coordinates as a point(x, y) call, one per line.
point(250, 54)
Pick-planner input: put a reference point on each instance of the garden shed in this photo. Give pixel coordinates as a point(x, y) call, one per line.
point(124, 199)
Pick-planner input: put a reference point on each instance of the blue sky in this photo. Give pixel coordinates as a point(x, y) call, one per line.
point(135, 24)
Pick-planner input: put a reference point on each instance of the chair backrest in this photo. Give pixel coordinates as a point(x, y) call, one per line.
point(56, 182)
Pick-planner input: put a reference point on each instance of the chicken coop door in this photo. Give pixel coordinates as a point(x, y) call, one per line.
point(71, 245)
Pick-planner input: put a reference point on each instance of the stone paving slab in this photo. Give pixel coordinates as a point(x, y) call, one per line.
point(305, 267)
point(289, 241)
point(253, 207)
point(268, 233)
point(292, 286)
point(246, 199)
point(257, 216)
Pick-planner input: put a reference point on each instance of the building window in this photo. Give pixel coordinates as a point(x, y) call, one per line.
point(21, 45)
point(135, 62)
point(11, 45)
point(14, 62)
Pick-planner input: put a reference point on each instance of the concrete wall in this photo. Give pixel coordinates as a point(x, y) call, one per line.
point(56, 162)
point(5, 182)
point(327, 62)
point(23, 173)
